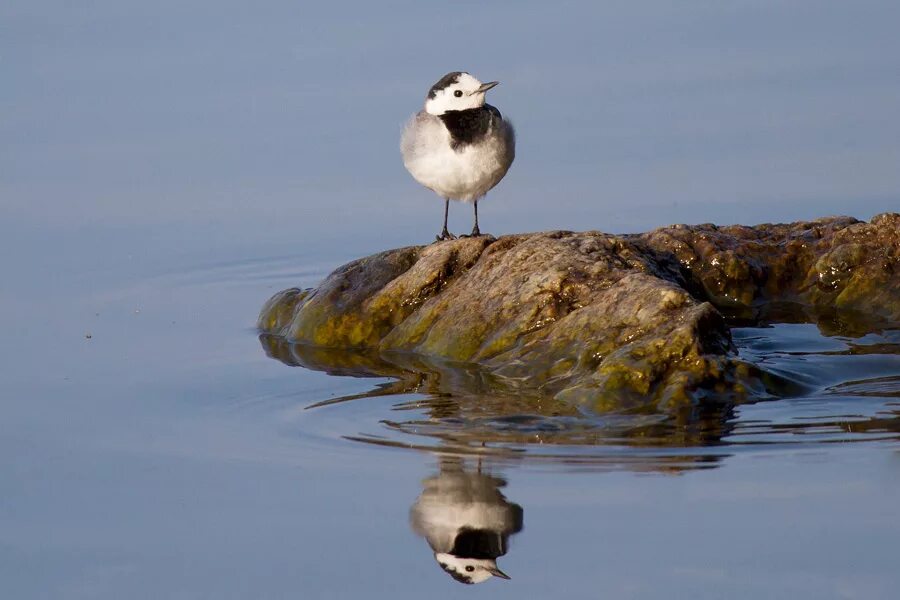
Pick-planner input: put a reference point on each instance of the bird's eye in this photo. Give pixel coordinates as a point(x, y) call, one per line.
point(470, 568)
point(458, 93)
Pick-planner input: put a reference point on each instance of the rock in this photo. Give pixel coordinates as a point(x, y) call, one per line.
point(591, 319)
point(835, 263)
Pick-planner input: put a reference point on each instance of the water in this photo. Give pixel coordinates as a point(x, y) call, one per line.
point(168, 456)
point(166, 167)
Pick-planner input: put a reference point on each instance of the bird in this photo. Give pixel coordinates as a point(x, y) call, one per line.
point(467, 522)
point(458, 146)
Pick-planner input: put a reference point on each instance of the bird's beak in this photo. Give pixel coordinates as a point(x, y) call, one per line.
point(486, 86)
point(494, 570)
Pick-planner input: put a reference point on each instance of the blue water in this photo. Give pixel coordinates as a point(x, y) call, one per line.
point(166, 167)
point(167, 456)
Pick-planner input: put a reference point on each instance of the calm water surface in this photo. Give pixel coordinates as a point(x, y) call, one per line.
point(166, 166)
point(168, 456)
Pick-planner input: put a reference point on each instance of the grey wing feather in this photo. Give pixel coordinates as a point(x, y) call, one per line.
point(509, 132)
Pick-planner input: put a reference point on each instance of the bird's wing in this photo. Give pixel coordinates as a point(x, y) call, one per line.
point(506, 128)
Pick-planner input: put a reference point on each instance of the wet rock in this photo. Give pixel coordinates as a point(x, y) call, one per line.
point(610, 322)
point(835, 263)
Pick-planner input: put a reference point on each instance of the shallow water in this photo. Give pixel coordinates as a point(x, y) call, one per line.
point(166, 166)
point(168, 456)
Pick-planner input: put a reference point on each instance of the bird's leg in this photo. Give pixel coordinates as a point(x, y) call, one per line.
point(475, 231)
point(445, 235)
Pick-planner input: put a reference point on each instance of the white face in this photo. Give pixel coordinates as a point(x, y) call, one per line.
point(467, 92)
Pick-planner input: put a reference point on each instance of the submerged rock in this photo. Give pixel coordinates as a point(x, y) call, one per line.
point(605, 321)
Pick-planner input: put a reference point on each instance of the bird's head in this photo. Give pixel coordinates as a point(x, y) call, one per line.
point(469, 570)
point(456, 91)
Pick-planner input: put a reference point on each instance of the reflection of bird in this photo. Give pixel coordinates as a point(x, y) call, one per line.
point(458, 146)
point(467, 522)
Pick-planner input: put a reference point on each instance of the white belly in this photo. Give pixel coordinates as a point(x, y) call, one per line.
point(464, 175)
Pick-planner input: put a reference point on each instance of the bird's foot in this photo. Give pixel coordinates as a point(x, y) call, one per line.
point(444, 235)
point(475, 233)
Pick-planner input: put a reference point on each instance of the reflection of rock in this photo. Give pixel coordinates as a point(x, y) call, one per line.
point(611, 321)
point(351, 363)
point(461, 409)
point(466, 522)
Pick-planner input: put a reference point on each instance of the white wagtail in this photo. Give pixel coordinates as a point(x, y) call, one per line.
point(458, 146)
point(467, 522)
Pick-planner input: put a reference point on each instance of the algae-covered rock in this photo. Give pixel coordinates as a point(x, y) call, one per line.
point(593, 319)
point(831, 263)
